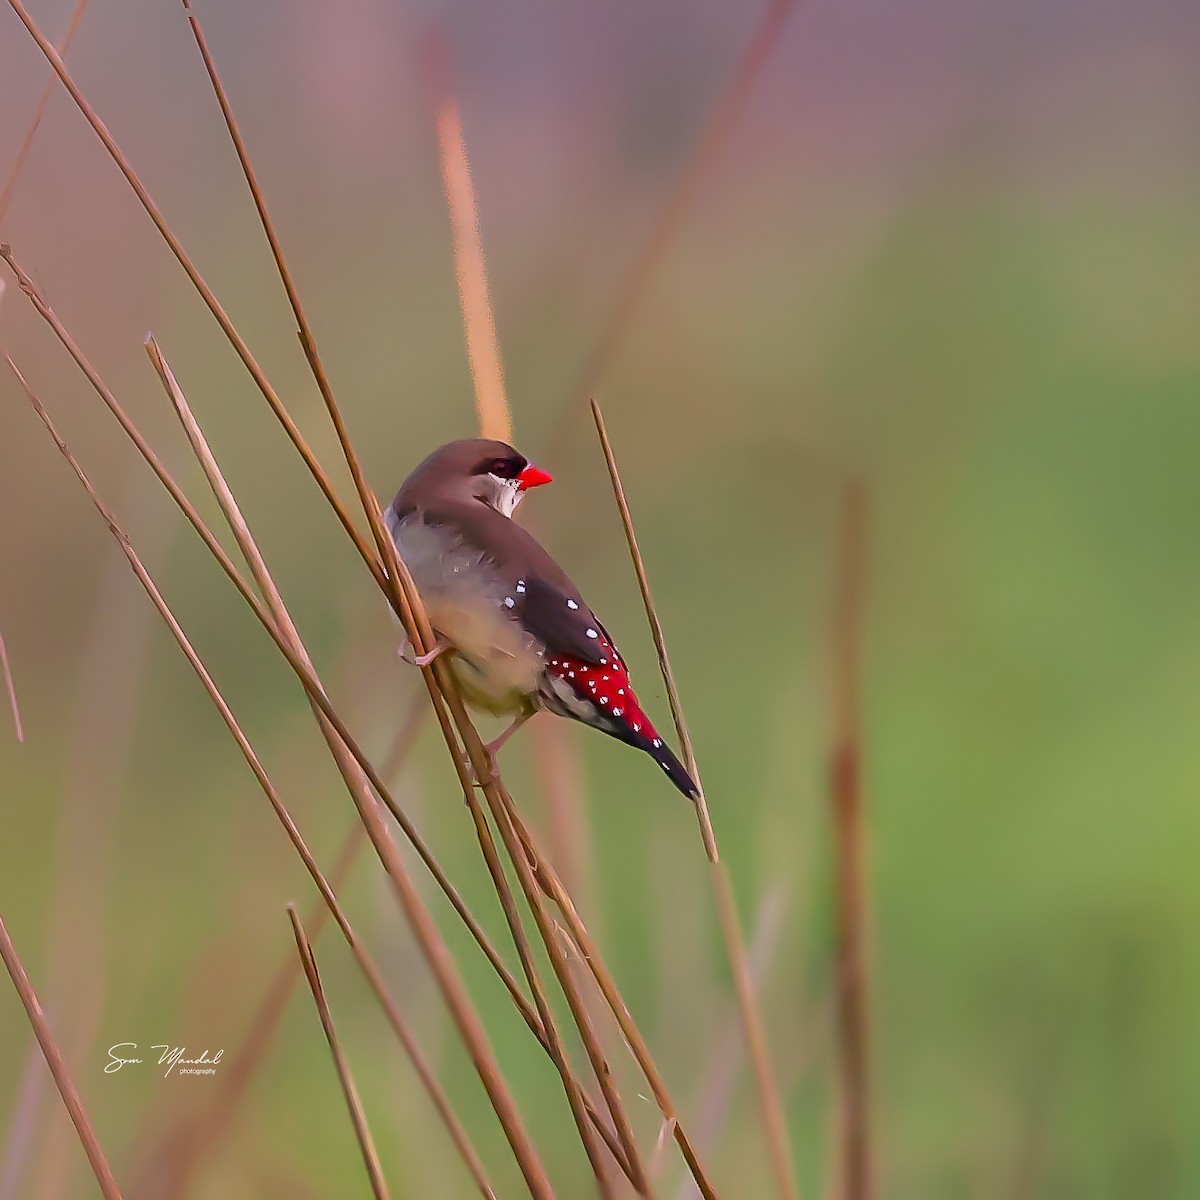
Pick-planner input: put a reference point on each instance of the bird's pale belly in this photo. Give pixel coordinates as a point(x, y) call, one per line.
point(497, 664)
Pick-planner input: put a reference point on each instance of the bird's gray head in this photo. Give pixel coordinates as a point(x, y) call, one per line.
point(480, 469)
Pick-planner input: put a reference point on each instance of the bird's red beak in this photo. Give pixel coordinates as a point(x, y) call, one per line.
point(533, 477)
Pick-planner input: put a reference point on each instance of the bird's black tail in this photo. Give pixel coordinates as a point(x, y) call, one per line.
point(676, 772)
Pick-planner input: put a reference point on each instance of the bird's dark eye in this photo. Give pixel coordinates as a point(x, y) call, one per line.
point(502, 468)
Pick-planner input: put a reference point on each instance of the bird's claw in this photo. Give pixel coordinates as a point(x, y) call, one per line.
point(408, 652)
point(492, 774)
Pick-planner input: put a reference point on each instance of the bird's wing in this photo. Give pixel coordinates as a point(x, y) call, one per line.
point(560, 620)
point(543, 597)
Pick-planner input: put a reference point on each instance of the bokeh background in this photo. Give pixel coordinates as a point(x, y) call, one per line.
point(949, 248)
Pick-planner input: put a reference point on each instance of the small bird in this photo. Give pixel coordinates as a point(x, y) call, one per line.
point(519, 636)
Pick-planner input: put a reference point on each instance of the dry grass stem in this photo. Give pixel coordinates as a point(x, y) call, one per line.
point(185, 1148)
point(100, 732)
point(470, 273)
point(479, 766)
point(555, 1047)
point(770, 1105)
point(856, 1164)
point(361, 779)
point(58, 1067)
point(10, 184)
point(351, 765)
point(589, 951)
point(362, 1131)
point(131, 431)
point(231, 571)
point(372, 972)
point(312, 686)
point(605, 1132)
point(307, 338)
point(656, 631)
point(11, 688)
point(206, 293)
point(562, 967)
point(300, 667)
point(495, 421)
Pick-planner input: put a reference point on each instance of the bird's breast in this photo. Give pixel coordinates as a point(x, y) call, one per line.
point(496, 662)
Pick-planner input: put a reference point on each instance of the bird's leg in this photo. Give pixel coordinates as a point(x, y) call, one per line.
point(492, 748)
point(408, 652)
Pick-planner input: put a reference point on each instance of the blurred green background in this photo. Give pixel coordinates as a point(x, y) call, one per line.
point(950, 248)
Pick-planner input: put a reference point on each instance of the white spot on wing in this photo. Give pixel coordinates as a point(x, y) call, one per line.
point(592, 633)
point(572, 604)
point(509, 602)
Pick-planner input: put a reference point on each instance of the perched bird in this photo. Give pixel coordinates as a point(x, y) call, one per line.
point(519, 635)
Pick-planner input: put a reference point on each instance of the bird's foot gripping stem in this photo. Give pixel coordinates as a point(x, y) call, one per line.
point(408, 652)
point(492, 748)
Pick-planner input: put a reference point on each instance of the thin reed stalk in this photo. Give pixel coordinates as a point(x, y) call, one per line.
point(358, 1116)
point(425, 930)
point(849, 826)
point(109, 698)
point(408, 604)
point(569, 985)
point(557, 1049)
point(265, 619)
point(35, 122)
point(189, 1146)
point(58, 1067)
point(311, 685)
point(198, 282)
point(470, 273)
point(495, 1086)
point(548, 880)
point(494, 421)
point(371, 971)
point(487, 373)
point(308, 340)
point(767, 1090)
point(394, 580)
point(441, 683)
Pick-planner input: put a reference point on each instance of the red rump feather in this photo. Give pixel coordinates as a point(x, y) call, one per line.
point(612, 707)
